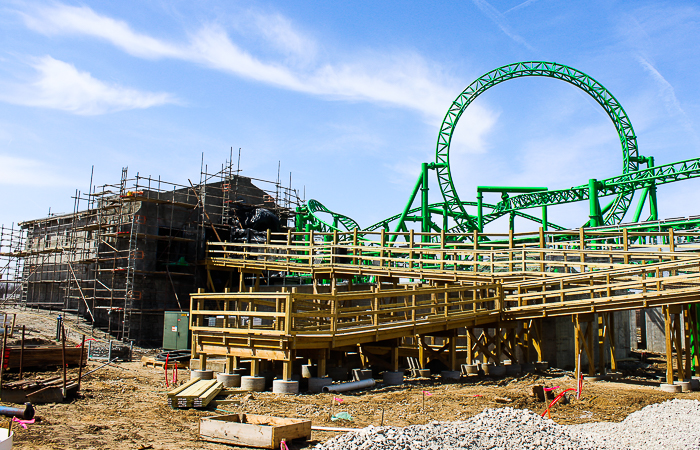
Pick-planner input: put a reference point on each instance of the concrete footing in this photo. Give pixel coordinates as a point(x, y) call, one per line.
point(309, 371)
point(285, 387)
point(695, 384)
point(541, 365)
point(685, 385)
point(229, 379)
point(202, 374)
point(393, 378)
point(513, 369)
point(450, 376)
point(316, 384)
point(671, 388)
point(253, 384)
point(470, 369)
point(497, 371)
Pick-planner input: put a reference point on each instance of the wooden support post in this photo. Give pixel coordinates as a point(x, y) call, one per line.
point(669, 344)
point(470, 354)
point(499, 343)
point(601, 344)
point(395, 356)
point(202, 361)
point(453, 351)
point(611, 340)
point(322, 365)
point(694, 331)
point(537, 338)
point(686, 341)
point(254, 367)
point(679, 348)
point(422, 354)
point(589, 349)
point(577, 343)
point(287, 370)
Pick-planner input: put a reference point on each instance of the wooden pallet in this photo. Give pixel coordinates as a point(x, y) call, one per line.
point(148, 361)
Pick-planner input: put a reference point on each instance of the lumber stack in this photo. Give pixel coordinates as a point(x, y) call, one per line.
point(147, 361)
point(44, 356)
point(195, 393)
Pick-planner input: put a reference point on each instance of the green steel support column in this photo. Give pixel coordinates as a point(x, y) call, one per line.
point(640, 204)
point(653, 205)
point(544, 217)
point(444, 218)
point(402, 219)
point(480, 210)
point(593, 204)
point(425, 223)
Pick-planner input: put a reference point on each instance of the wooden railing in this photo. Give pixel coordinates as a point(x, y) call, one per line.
point(350, 316)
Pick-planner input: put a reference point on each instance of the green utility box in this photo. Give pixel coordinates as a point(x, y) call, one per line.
point(176, 330)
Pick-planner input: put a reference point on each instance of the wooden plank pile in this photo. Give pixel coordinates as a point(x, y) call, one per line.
point(147, 361)
point(37, 390)
point(195, 393)
point(43, 356)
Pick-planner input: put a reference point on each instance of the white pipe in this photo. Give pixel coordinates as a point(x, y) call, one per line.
point(351, 386)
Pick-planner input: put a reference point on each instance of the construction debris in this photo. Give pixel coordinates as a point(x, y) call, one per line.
point(251, 430)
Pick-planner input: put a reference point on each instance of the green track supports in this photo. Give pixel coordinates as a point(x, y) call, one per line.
point(619, 189)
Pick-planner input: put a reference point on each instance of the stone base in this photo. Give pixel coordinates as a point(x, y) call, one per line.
point(393, 378)
point(541, 365)
point(470, 369)
point(450, 376)
point(316, 384)
point(229, 379)
point(253, 384)
point(594, 378)
point(670, 388)
point(285, 387)
point(497, 371)
point(202, 374)
point(685, 385)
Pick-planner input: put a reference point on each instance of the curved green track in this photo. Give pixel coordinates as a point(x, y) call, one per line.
point(600, 94)
point(622, 187)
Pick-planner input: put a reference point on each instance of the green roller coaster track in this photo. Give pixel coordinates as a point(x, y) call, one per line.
point(622, 187)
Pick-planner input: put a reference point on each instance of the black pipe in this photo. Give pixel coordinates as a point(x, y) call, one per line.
point(26, 413)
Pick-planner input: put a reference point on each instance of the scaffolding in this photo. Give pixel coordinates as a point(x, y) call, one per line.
point(131, 250)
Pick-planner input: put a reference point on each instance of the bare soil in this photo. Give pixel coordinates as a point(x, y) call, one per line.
point(124, 406)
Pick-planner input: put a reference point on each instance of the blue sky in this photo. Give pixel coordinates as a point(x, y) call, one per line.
point(348, 96)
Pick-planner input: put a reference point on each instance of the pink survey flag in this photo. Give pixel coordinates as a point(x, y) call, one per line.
point(338, 399)
point(426, 393)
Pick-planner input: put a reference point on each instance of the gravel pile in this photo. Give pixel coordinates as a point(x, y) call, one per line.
point(674, 424)
point(671, 425)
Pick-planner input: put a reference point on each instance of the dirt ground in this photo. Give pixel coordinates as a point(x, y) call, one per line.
point(123, 405)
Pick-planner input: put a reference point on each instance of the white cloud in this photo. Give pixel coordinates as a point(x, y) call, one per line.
point(61, 86)
point(405, 80)
point(501, 21)
point(667, 94)
point(29, 172)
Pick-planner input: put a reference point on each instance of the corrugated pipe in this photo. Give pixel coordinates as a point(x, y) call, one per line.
point(351, 386)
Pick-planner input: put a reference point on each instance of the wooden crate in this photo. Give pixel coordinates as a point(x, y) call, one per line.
point(250, 430)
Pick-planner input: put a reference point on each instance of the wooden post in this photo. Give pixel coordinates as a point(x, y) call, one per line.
point(453, 351)
point(254, 367)
point(21, 353)
point(3, 359)
point(80, 362)
point(499, 344)
point(542, 244)
point(577, 343)
point(686, 347)
point(611, 340)
point(469, 347)
point(669, 344)
point(322, 365)
point(602, 331)
point(589, 350)
point(395, 356)
point(287, 370)
point(679, 347)
point(63, 351)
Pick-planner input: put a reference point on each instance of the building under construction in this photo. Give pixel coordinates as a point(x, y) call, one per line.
point(132, 250)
